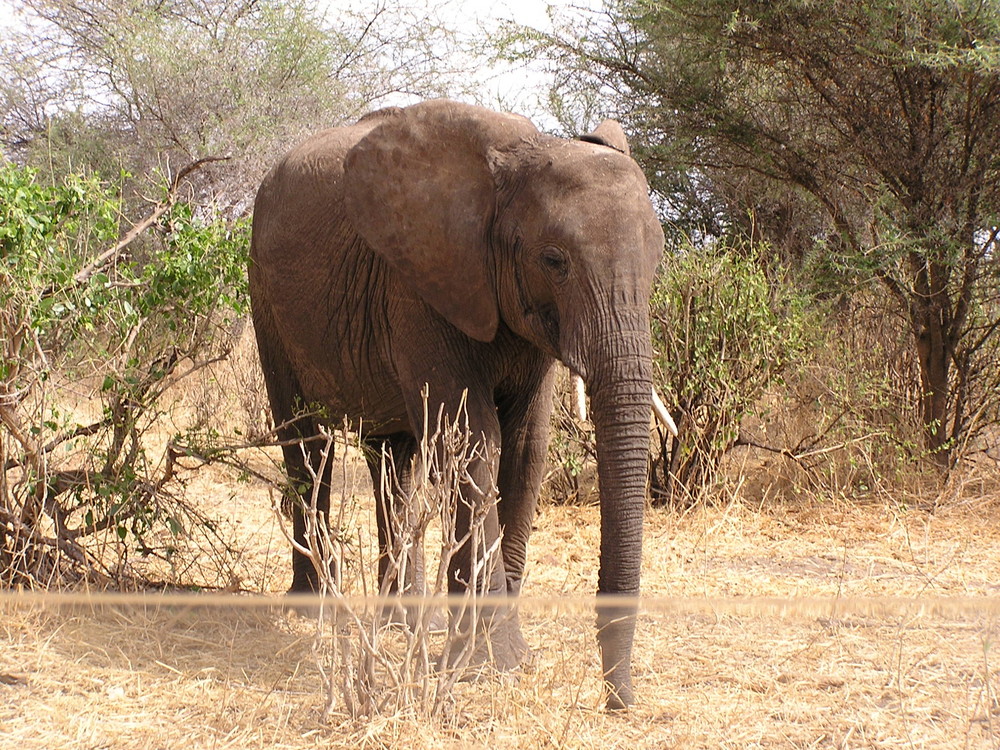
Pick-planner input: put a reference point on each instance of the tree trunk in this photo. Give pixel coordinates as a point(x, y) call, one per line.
point(933, 323)
point(935, 360)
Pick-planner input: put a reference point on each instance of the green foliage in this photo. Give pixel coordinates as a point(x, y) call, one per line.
point(32, 214)
point(197, 270)
point(76, 306)
point(44, 236)
point(723, 334)
point(49, 235)
point(857, 138)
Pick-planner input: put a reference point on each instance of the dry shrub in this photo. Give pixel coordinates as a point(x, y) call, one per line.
point(844, 424)
point(572, 458)
point(378, 651)
point(724, 334)
point(232, 397)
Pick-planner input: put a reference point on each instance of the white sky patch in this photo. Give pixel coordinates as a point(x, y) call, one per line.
point(8, 18)
point(527, 12)
point(516, 87)
point(520, 88)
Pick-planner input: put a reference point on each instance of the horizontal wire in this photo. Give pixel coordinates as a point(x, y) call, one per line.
point(954, 607)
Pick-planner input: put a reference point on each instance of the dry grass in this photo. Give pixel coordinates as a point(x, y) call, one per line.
point(795, 624)
point(711, 671)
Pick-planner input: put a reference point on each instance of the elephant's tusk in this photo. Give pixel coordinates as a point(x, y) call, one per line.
point(662, 414)
point(581, 398)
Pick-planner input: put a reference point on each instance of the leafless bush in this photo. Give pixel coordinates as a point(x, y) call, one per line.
point(232, 397)
point(840, 424)
point(572, 468)
point(371, 660)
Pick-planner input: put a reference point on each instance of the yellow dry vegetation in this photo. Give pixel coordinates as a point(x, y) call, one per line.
point(796, 625)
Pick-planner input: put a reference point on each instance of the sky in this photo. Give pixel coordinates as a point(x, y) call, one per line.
point(529, 12)
point(525, 11)
point(514, 87)
point(6, 13)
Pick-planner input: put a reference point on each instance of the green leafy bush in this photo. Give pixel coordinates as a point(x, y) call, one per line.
point(114, 317)
point(723, 334)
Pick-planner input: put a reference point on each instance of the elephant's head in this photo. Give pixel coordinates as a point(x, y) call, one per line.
point(493, 223)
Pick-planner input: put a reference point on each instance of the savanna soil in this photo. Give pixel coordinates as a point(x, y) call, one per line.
point(804, 624)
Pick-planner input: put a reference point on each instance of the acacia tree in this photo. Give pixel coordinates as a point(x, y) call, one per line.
point(151, 85)
point(883, 120)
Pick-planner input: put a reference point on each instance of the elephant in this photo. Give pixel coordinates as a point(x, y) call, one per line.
point(446, 245)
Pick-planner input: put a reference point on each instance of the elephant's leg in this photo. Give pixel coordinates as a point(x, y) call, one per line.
point(304, 460)
point(524, 415)
point(485, 633)
point(389, 459)
point(476, 561)
point(400, 530)
point(302, 452)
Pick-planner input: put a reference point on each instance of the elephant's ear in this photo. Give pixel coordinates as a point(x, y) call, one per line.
point(421, 193)
point(609, 133)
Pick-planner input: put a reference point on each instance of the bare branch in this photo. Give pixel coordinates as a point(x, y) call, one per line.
point(102, 260)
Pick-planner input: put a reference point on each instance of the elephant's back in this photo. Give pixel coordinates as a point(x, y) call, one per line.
point(301, 198)
point(300, 202)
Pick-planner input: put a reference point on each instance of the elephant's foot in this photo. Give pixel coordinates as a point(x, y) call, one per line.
point(495, 646)
point(414, 617)
point(304, 580)
point(301, 604)
point(301, 594)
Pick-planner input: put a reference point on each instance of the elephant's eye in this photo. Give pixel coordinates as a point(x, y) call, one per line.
point(555, 262)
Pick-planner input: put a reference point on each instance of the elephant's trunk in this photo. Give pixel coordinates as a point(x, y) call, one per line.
point(620, 386)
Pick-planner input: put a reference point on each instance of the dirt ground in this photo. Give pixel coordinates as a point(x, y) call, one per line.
point(801, 625)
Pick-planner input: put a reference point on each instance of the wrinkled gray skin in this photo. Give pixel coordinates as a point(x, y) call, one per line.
point(450, 245)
